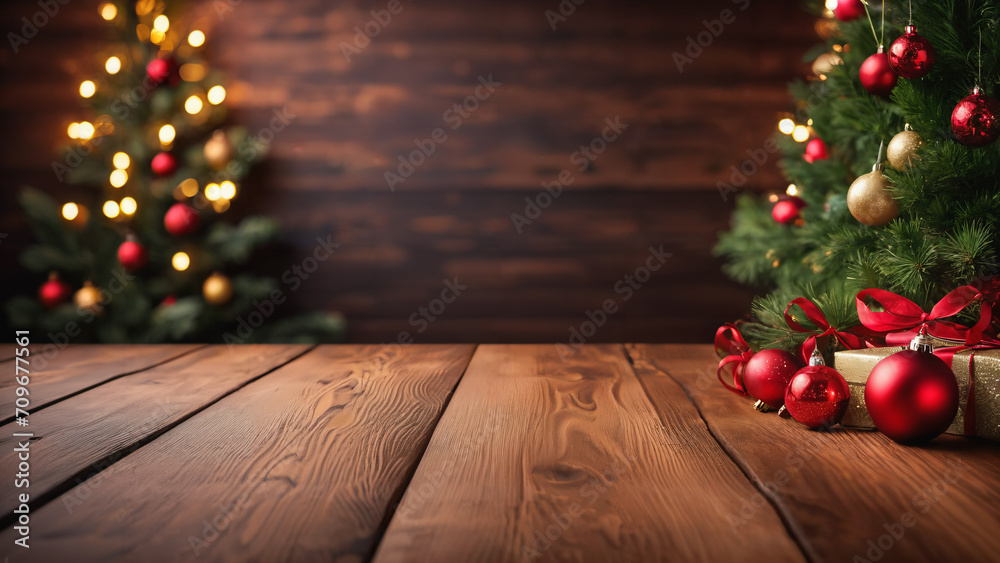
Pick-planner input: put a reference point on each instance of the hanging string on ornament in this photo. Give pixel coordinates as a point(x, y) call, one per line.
point(902, 150)
point(911, 55)
point(875, 73)
point(975, 121)
point(868, 198)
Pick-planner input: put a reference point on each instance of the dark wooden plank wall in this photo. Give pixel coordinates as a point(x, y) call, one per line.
point(451, 218)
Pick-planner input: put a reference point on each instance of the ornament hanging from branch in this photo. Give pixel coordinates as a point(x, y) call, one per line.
point(976, 119)
point(869, 200)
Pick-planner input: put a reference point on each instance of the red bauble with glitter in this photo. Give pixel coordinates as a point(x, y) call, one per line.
point(911, 56)
point(164, 164)
point(132, 254)
point(976, 119)
point(54, 292)
point(767, 375)
point(877, 75)
point(912, 396)
point(180, 220)
point(848, 10)
point(787, 210)
point(815, 150)
point(162, 70)
point(817, 395)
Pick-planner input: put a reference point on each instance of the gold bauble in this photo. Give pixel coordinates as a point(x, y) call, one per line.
point(88, 298)
point(902, 149)
point(218, 150)
point(870, 201)
point(825, 63)
point(217, 289)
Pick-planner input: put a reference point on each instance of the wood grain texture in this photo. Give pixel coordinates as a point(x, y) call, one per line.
point(531, 446)
point(845, 493)
point(301, 465)
point(82, 435)
point(59, 373)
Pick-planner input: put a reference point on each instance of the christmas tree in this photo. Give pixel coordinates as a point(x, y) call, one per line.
point(145, 253)
point(893, 170)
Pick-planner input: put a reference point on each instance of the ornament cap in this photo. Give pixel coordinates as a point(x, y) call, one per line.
point(921, 343)
point(783, 412)
point(976, 90)
point(911, 29)
point(816, 359)
point(761, 406)
point(880, 50)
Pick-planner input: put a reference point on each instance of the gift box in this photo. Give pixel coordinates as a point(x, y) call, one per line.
point(977, 372)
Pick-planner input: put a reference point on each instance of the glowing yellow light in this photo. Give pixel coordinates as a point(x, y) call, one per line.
point(212, 192)
point(87, 88)
point(156, 36)
point(196, 38)
point(792, 190)
point(73, 130)
point(143, 7)
point(193, 105)
point(118, 178)
point(161, 23)
point(786, 126)
point(192, 72)
point(113, 65)
point(800, 133)
point(216, 94)
point(128, 206)
point(227, 190)
point(85, 130)
point(772, 198)
point(109, 11)
point(220, 205)
point(831, 4)
point(110, 209)
point(810, 122)
point(189, 187)
point(167, 134)
point(121, 160)
point(181, 261)
point(70, 211)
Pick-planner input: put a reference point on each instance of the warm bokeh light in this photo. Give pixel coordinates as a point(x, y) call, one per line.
point(212, 192)
point(192, 72)
point(189, 187)
point(156, 36)
point(109, 11)
point(161, 23)
point(831, 4)
point(85, 130)
point(800, 133)
point(786, 126)
point(118, 178)
point(216, 94)
point(113, 65)
point(88, 88)
point(227, 190)
point(772, 198)
point(128, 206)
point(181, 261)
point(792, 190)
point(196, 38)
point(193, 105)
point(121, 160)
point(110, 209)
point(143, 7)
point(73, 130)
point(70, 211)
point(220, 205)
point(167, 134)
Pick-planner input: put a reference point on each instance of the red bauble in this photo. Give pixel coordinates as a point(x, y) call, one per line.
point(180, 220)
point(877, 76)
point(161, 70)
point(817, 396)
point(911, 56)
point(54, 292)
point(848, 10)
point(976, 119)
point(164, 164)
point(787, 210)
point(168, 300)
point(912, 396)
point(767, 375)
point(132, 255)
point(815, 150)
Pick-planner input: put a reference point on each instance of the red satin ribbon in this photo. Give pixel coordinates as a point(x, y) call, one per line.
point(738, 360)
point(848, 340)
point(948, 355)
point(902, 314)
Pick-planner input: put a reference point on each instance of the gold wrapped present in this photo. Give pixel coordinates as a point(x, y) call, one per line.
point(977, 373)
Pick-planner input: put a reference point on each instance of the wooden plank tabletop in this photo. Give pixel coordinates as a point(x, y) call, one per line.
point(465, 453)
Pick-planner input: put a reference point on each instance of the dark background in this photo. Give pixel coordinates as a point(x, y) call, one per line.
point(656, 185)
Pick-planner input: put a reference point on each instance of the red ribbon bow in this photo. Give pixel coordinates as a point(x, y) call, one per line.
point(848, 340)
point(902, 314)
point(738, 360)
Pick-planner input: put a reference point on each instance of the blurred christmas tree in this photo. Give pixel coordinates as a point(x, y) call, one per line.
point(144, 255)
point(926, 220)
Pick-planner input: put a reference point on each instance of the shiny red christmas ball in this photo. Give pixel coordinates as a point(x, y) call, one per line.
point(787, 210)
point(976, 119)
point(817, 396)
point(54, 292)
point(848, 10)
point(164, 164)
point(815, 150)
point(912, 55)
point(180, 220)
point(767, 375)
point(877, 76)
point(912, 396)
point(132, 255)
point(160, 70)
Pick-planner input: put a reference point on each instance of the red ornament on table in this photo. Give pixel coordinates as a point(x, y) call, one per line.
point(162, 70)
point(848, 10)
point(817, 395)
point(164, 164)
point(54, 292)
point(815, 150)
point(911, 55)
point(912, 395)
point(180, 220)
point(132, 254)
point(787, 210)
point(766, 377)
point(976, 119)
point(877, 75)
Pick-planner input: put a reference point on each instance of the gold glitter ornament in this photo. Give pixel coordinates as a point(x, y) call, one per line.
point(902, 149)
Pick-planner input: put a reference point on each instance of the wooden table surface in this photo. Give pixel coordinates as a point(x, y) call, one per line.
point(461, 453)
